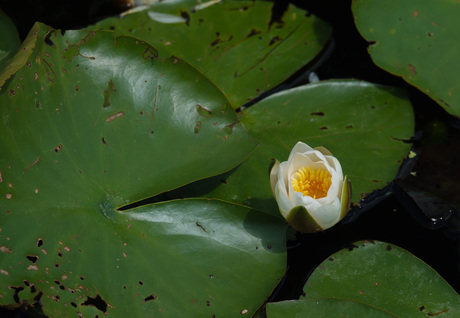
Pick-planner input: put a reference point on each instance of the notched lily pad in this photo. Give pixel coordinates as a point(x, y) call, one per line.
point(243, 59)
point(96, 122)
point(413, 39)
point(385, 277)
point(365, 126)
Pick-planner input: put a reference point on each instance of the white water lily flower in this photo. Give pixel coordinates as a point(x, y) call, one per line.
point(310, 189)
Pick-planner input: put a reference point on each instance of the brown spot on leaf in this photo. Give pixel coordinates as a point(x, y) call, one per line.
point(49, 71)
point(114, 116)
point(107, 93)
point(412, 69)
point(197, 127)
point(5, 249)
point(58, 148)
point(203, 111)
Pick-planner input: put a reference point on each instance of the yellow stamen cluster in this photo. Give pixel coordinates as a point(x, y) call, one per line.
point(312, 182)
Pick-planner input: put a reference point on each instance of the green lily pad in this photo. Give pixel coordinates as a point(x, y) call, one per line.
point(9, 41)
point(414, 40)
point(323, 307)
point(236, 44)
point(198, 257)
point(372, 279)
point(364, 125)
point(92, 116)
point(386, 277)
point(92, 122)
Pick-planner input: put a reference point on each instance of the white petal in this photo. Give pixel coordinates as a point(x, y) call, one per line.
point(274, 176)
point(338, 167)
point(299, 147)
point(324, 151)
point(327, 215)
point(282, 175)
point(285, 205)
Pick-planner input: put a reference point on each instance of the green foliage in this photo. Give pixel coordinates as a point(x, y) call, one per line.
point(238, 45)
point(9, 41)
point(372, 279)
point(414, 39)
point(108, 123)
point(362, 124)
point(141, 106)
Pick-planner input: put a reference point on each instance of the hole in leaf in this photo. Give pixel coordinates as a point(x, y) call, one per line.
point(17, 290)
point(97, 302)
point(110, 89)
point(32, 258)
point(39, 242)
point(148, 298)
point(203, 111)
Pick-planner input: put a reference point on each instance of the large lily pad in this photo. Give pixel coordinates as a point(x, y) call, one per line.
point(364, 125)
point(377, 275)
point(194, 257)
point(238, 45)
point(415, 40)
point(90, 115)
point(373, 279)
point(92, 122)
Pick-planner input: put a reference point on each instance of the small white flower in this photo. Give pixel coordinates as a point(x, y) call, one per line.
point(310, 189)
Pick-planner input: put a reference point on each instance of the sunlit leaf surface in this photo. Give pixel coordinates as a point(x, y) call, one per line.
point(239, 45)
point(364, 125)
point(373, 279)
point(92, 122)
point(415, 40)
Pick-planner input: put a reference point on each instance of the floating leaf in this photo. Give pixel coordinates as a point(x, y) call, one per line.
point(243, 59)
point(384, 276)
point(323, 307)
point(9, 41)
point(92, 122)
point(198, 257)
point(413, 39)
point(364, 125)
point(373, 279)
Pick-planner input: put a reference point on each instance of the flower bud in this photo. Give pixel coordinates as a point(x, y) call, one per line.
point(310, 189)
